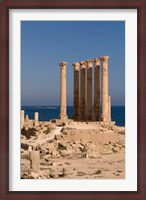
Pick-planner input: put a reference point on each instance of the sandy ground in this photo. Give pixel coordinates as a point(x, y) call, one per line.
point(75, 150)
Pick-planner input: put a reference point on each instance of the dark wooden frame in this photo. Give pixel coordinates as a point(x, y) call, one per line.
point(140, 5)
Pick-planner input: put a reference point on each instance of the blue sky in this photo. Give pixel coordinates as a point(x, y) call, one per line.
point(46, 43)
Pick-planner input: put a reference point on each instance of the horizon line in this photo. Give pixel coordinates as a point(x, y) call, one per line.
point(66, 106)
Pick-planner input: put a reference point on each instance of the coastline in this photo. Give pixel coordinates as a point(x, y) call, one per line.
point(46, 113)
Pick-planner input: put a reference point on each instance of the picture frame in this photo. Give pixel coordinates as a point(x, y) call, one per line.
point(5, 104)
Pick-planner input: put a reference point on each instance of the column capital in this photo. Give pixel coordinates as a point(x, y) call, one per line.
point(105, 58)
point(83, 64)
point(97, 61)
point(76, 65)
point(62, 64)
point(89, 63)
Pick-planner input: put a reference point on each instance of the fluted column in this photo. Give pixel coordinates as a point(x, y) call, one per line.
point(105, 97)
point(22, 119)
point(96, 114)
point(82, 90)
point(89, 90)
point(63, 114)
point(76, 90)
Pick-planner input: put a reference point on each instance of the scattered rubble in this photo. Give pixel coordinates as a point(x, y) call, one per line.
point(72, 150)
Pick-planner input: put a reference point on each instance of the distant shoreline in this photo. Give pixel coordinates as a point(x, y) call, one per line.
point(52, 112)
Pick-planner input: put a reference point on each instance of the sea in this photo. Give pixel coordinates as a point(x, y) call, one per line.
point(52, 112)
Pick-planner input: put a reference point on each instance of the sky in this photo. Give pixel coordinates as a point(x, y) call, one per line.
point(46, 43)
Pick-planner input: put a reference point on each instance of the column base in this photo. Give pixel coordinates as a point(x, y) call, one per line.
point(105, 119)
point(95, 118)
point(36, 124)
point(88, 117)
point(82, 117)
point(75, 116)
point(107, 124)
point(63, 117)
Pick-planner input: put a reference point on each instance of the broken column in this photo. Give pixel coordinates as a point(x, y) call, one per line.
point(35, 161)
point(63, 115)
point(89, 90)
point(82, 90)
point(96, 112)
point(27, 118)
point(36, 118)
point(105, 97)
point(76, 90)
point(22, 118)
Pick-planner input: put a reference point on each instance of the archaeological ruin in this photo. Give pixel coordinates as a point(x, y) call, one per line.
point(87, 146)
point(90, 92)
point(84, 109)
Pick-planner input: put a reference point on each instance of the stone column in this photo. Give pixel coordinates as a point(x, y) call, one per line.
point(76, 91)
point(35, 161)
point(63, 115)
point(82, 91)
point(109, 107)
point(22, 118)
point(36, 118)
point(96, 114)
point(27, 118)
point(89, 89)
point(105, 99)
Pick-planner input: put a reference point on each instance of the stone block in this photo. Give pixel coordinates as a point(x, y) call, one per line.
point(35, 161)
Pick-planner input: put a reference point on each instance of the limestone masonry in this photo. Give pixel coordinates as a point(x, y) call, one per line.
point(83, 92)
